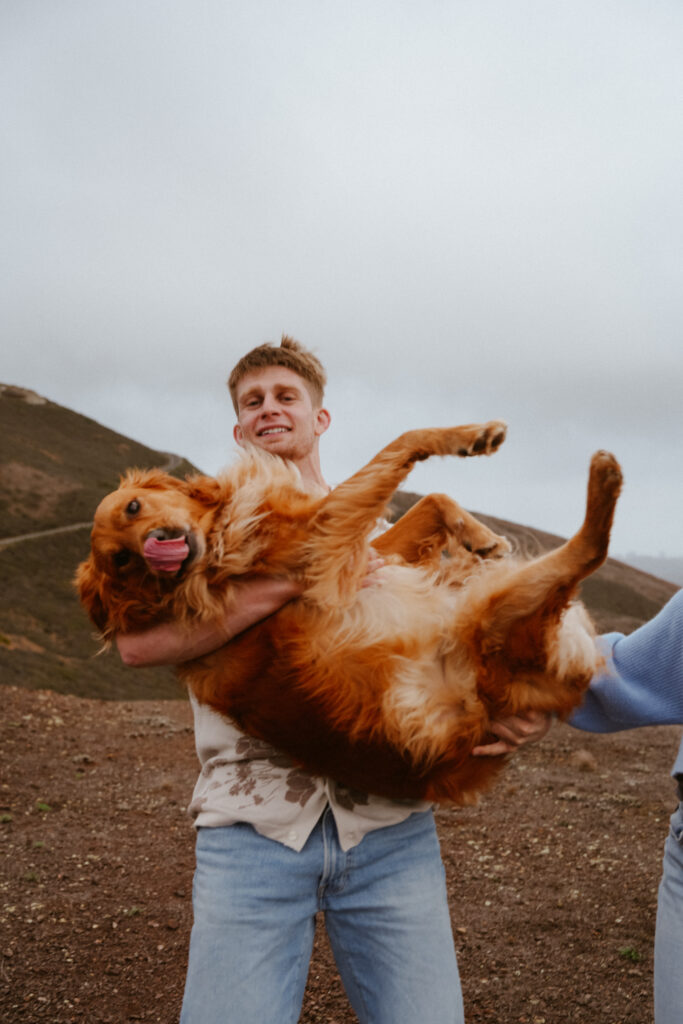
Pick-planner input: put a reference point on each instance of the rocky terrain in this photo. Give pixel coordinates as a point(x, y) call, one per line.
point(552, 879)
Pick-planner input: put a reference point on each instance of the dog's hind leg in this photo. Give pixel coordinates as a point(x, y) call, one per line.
point(434, 524)
point(541, 589)
point(344, 520)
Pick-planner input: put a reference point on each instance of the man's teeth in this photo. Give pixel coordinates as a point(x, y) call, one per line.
point(274, 430)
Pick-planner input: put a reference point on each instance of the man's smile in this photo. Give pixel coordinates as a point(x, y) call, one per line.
point(273, 430)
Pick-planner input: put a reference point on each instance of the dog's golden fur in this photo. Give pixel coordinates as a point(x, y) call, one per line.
point(386, 688)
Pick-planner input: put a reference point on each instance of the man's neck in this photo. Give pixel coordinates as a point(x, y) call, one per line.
point(311, 473)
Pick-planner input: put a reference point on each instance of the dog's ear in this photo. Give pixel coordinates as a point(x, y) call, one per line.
point(150, 480)
point(205, 490)
point(89, 582)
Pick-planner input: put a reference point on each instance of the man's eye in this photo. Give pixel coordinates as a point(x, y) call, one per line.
point(133, 507)
point(121, 558)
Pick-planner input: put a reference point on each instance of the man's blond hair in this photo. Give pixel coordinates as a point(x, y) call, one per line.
point(290, 354)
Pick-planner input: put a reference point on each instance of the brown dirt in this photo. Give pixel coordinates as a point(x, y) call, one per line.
point(552, 879)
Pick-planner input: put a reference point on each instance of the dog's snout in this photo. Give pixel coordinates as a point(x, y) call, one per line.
point(166, 533)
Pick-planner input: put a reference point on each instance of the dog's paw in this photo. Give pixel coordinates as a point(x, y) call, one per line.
point(481, 438)
point(477, 538)
point(605, 473)
point(499, 548)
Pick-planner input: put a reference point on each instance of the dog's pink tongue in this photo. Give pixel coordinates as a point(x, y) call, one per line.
point(166, 555)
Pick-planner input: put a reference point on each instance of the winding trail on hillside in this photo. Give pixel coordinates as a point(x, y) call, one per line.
point(172, 462)
point(6, 541)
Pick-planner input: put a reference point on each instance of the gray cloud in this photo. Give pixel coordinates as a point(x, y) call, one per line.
point(470, 211)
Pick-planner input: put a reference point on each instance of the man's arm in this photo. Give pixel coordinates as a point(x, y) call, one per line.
point(172, 643)
point(258, 597)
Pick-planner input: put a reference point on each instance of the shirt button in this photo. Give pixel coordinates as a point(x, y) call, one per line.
point(293, 836)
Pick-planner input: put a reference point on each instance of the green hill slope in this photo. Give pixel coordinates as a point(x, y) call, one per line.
point(55, 466)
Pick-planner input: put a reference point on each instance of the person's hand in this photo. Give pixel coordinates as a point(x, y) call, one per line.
point(513, 732)
point(375, 562)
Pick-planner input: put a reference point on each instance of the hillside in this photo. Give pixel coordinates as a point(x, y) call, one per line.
point(56, 465)
point(665, 568)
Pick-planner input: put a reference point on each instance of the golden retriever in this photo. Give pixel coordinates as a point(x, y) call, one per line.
point(386, 688)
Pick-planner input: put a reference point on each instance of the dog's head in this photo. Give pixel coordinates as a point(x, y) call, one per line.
point(153, 519)
point(146, 536)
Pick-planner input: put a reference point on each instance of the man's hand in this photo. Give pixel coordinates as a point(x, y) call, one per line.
point(514, 732)
point(375, 562)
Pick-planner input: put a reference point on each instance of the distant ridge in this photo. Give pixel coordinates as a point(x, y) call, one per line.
point(56, 465)
point(665, 568)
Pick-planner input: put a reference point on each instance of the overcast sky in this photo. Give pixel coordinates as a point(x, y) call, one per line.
point(469, 209)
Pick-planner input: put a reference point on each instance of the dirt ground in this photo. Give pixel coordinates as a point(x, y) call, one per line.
point(552, 879)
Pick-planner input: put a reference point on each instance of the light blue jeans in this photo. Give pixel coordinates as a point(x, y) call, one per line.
point(385, 910)
point(669, 932)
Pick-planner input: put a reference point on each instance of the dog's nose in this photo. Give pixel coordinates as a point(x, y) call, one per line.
point(166, 533)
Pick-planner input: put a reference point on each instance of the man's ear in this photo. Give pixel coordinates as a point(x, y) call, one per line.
point(238, 435)
point(322, 421)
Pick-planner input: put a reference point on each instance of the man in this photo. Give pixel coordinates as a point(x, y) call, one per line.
point(275, 845)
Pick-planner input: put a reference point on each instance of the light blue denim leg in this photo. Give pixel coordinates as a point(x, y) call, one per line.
point(254, 908)
point(386, 913)
point(669, 933)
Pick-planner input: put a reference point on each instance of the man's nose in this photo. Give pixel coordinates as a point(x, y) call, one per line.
point(268, 405)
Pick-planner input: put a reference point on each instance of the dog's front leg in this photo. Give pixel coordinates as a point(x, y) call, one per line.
point(434, 524)
point(340, 529)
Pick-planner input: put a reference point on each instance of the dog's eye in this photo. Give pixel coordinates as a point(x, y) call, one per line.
point(121, 558)
point(133, 507)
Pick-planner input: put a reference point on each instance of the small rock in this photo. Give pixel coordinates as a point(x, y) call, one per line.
point(584, 761)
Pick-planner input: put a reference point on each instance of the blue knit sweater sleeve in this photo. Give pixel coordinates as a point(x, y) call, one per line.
point(642, 682)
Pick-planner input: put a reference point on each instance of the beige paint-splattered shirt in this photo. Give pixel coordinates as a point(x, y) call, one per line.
point(245, 780)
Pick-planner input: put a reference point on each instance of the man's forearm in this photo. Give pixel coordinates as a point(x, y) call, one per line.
point(172, 643)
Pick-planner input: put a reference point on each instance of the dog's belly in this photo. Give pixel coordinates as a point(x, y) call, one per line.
point(364, 693)
point(406, 607)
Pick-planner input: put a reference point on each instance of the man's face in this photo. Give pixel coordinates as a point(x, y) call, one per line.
point(275, 412)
